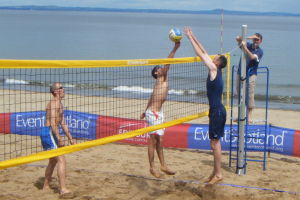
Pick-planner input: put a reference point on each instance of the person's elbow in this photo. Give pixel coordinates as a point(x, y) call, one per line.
point(254, 57)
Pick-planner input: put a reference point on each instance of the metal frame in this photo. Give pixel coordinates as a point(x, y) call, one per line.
point(237, 133)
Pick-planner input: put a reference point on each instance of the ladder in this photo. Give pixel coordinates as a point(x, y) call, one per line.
point(259, 135)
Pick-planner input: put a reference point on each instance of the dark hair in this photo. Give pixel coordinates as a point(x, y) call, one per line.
point(154, 70)
point(223, 61)
point(258, 35)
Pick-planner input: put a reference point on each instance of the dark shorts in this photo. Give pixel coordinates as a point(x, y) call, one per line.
point(217, 120)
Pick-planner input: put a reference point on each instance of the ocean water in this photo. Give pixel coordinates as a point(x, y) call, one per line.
point(59, 35)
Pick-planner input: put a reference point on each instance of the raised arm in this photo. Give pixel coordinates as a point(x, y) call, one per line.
point(199, 50)
point(165, 69)
point(244, 45)
point(199, 44)
point(239, 39)
point(249, 54)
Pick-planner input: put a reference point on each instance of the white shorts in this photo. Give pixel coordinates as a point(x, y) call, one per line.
point(155, 118)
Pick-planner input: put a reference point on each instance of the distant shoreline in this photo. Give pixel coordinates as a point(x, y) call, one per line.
point(94, 9)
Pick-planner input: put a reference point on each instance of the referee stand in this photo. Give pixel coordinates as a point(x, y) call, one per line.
point(258, 134)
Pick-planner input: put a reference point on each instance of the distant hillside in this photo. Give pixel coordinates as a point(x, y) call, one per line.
point(216, 11)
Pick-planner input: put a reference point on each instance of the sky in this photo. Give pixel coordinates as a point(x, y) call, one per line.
point(286, 6)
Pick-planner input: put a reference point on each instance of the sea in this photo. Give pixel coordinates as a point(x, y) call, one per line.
point(79, 35)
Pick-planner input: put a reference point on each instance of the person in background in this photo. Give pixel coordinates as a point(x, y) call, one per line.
point(254, 55)
point(51, 138)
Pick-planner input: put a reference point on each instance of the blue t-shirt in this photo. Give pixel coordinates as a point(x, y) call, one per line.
point(253, 63)
point(214, 90)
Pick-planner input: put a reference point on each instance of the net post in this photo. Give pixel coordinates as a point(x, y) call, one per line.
point(242, 118)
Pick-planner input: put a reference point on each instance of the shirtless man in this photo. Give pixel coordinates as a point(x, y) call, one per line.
point(51, 138)
point(217, 112)
point(154, 115)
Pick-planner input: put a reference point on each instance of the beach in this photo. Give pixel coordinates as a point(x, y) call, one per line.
point(121, 171)
point(118, 171)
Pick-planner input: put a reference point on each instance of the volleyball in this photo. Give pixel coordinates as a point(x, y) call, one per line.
point(175, 35)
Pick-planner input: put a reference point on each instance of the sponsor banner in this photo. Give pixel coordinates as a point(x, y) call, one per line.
point(177, 136)
point(296, 146)
point(81, 125)
point(5, 123)
point(127, 126)
point(195, 136)
point(108, 126)
point(279, 140)
point(27, 123)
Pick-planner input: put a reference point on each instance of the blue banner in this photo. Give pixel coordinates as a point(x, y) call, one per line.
point(27, 123)
point(278, 140)
point(281, 140)
point(81, 125)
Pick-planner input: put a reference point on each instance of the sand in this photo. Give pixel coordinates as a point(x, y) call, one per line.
point(121, 171)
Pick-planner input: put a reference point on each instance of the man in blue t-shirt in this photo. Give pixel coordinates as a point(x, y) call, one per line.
point(254, 54)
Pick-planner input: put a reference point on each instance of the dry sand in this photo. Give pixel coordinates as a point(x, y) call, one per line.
point(121, 171)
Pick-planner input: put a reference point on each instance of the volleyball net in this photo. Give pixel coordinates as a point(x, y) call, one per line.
point(102, 104)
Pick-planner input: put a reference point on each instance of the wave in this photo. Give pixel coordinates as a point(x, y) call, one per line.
point(149, 90)
point(14, 81)
point(92, 86)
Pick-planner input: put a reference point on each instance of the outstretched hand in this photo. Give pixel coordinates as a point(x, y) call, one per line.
point(188, 32)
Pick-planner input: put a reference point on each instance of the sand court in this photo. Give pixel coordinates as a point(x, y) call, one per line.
point(121, 171)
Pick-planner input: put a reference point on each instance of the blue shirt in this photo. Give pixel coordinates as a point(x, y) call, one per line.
point(253, 63)
point(214, 90)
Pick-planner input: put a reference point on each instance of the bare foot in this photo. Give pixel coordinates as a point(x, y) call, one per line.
point(156, 173)
point(236, 120)
point(250, 120)
point(209, 178)
point(65, 191)
point(168, 171)
point(46, 187)
point(214, 180)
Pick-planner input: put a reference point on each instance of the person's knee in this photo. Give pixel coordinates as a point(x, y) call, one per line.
point(52, 162)
point(159, 139)
point(214, 144)
point(152, 141)
point(61, 159)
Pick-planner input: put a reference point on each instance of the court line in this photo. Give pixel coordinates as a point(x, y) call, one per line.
point(175, 180)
